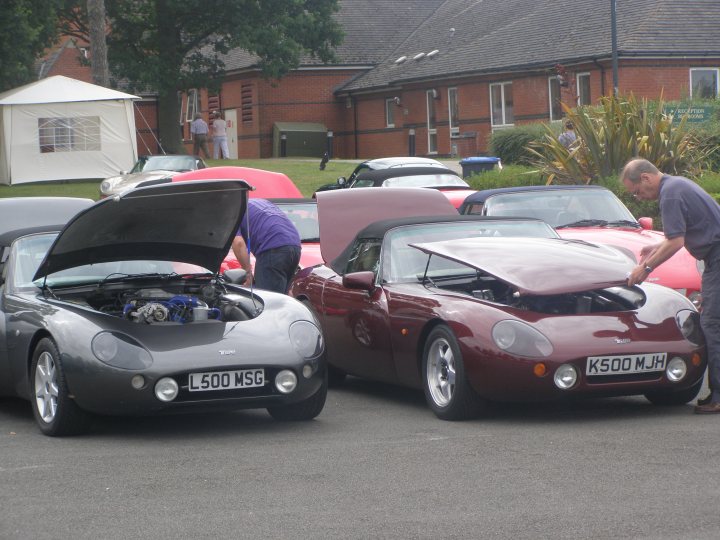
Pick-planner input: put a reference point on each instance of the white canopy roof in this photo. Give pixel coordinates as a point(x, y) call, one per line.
point(59, 89)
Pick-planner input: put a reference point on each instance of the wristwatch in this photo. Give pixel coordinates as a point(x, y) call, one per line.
point(648, 268)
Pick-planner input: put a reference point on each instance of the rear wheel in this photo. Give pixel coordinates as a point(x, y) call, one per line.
point(668, 398)
point(305, 410)
point(56, 413)
point(447, 390)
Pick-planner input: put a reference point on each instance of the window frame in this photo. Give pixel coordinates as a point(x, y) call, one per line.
point(583, 75)
point(717, 81)
point(431, 121)
point(503, 103)
point(552, 108)
point(453, 116)
point(390, 112)
point(69, 134)
point(191, 105)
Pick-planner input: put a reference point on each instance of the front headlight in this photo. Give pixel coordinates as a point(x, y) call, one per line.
point(522, 339)
point(120, 351)
point(107, 185)
point(688, 322)
point(306, 338)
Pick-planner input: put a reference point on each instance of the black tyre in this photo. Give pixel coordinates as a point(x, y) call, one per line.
point(669, 399)
point(446, 388)
point(304, 410)
point(55, 412)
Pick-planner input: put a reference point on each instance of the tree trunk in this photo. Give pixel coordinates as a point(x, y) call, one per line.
point(169, 123)
point(98, 45)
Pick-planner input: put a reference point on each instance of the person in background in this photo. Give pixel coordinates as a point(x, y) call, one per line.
point(568, 137)
point(691, 218)
point(219, 132)
point(199, 132)
point(267, 233)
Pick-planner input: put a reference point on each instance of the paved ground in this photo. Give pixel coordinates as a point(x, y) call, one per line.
point(374, 464)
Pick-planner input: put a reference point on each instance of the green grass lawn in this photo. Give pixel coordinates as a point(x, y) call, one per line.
point(304, 172)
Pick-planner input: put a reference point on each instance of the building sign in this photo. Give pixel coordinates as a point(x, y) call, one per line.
point(695, 113)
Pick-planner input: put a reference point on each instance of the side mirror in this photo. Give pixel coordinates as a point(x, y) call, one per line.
point(236, 276)
point(341, 181)
point(363, 281)
point(646, 223)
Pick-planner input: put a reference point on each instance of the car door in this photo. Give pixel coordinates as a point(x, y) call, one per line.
point(356, 321)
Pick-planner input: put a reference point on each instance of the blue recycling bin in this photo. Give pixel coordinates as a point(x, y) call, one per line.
point(474, 165)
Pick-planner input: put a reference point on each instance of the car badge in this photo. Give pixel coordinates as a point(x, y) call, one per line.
point(620, 341)
point(226, 352)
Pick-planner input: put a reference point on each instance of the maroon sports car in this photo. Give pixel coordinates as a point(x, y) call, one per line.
point(473, 309)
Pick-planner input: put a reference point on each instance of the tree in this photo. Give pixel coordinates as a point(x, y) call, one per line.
point(98, 44)
point(174, 45)
point(27, 28)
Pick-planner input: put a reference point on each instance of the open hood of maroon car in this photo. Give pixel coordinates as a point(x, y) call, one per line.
point(539, 266)
point(189, 222)
point(343, 213)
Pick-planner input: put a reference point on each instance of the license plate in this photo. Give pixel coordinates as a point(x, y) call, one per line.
point(621, 365)
point(226, 380)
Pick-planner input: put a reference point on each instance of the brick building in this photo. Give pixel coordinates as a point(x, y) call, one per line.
point(437, 76)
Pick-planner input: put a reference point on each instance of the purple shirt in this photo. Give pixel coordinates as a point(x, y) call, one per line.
point(268, 226)
point(687, 210)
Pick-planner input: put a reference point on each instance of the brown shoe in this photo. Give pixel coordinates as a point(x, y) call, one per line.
point(711, 408)
point(706, 400)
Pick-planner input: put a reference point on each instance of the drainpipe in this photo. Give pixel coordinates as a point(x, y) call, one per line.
point(355, 123)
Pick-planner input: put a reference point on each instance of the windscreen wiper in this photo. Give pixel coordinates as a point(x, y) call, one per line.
point(584, 223)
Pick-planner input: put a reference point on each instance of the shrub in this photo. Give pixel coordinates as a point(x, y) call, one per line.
point(511, 144)
point(612, 133)
point(510, 175)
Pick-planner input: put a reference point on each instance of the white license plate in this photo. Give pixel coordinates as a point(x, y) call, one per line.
point(630, 363)
point(226, 380)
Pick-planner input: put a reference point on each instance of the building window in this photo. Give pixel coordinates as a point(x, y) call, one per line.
point(79, 134)
point(192, 106)
point(501, 104)
point(246, 100)
point(583, 88)
point(453, 114)
point(390, 112)
point(704, 83)
point(431, 121)
point(555, 99)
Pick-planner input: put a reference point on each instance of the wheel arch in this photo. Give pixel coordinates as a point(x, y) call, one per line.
point(422, 340)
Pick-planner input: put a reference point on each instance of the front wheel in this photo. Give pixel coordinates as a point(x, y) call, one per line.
point(305, 410)
point(55, 411)
point(447, 390)
point(669, 398)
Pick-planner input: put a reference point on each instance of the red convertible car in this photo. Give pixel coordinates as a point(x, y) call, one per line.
point(593, 214)
point(475, 309)
point(267, 184)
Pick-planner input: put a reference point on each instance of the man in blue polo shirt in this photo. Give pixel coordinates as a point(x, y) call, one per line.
point(691, 218)
point(268, 234)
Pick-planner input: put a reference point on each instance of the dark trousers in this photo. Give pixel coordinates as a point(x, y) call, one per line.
point(710, 319)
point(274, 268)
point(200, 142)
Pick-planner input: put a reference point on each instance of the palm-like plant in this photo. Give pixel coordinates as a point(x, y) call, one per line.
point(613, 132)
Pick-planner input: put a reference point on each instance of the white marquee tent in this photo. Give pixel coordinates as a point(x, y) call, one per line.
point(61, 129)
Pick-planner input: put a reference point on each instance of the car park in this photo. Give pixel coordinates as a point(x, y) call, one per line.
point(478, 309)
point(123, 312)
point(593, 214)
point(150, 170)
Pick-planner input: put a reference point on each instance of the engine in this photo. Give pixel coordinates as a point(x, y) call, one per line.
point(179, 309)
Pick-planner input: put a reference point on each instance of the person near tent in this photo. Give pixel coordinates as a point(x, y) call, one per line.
point(219, 132)
point(199, 131)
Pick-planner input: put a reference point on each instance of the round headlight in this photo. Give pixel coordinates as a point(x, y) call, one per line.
point(306, 338)
point(676, 369)
point(521, 339)
point(166, 389)
point(565, 377)
point(285, 381)
point(106, 186)
point(105, 347)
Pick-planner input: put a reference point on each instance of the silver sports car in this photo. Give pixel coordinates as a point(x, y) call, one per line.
point(123, 312)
